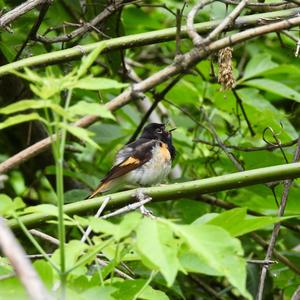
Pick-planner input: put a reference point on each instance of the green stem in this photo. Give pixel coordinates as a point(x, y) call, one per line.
point(89, 255)
point(35, 243)
point(140, 39)
point(59, 165)
point(178, 190)
point(152, 275)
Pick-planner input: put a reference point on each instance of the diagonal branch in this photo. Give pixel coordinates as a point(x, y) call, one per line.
point(275, 232)
point(21, 264)
point(141, 39)
point(107, 12)
point(19, 11)
point(229, 20)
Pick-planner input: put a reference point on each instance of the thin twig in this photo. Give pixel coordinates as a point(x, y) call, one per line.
point(21, 264)
point(229, 20)
point(97, 215)
point(206, 287)
point(261, 241)
point(191, 31)
point(35, 27)
point(261, 262)
point(240, 103)
point(233, 159)
point(270, 251)
point(7, 276)
point(117, 271)
point(127, 208)
point(44, 236)
point(249, 149)
point(19, 11)
point(105, 13)
point(263, 6)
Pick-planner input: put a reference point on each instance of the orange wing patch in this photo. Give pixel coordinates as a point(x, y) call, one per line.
point(130, 161)
point(165, 151)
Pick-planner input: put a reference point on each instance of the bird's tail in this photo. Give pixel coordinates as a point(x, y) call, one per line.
point(101, 188)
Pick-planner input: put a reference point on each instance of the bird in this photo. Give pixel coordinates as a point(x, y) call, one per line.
point(144, 162)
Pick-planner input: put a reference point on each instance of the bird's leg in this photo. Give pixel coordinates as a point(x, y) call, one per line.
point(141, 197)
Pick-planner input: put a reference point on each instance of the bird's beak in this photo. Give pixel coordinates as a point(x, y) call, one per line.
point(172, 129)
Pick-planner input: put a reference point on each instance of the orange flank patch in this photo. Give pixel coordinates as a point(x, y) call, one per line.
point(130, 161)
point(165, 151)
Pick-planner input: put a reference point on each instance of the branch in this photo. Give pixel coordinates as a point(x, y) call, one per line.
point(248, 149)
point(229, 20)
point(275, 232)
point(263, 6)
point(85, 27)
point(212, 130)
point(19, 11)
point(141, 39)
point(178, 190)
point(21, 264)
point(195, 37)
point(32, 34)
point(261, 241)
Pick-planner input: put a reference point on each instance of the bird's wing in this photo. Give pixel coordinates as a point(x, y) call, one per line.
point(139, 154)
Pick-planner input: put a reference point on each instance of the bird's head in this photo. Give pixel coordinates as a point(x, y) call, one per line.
point(157, 131)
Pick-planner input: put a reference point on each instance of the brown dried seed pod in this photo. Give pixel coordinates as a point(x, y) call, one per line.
point(225, 76)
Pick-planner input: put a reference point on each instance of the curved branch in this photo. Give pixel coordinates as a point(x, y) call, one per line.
point(177, 190)
point(141, 39)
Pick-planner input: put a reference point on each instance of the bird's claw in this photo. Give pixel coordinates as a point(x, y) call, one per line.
point(146, 212)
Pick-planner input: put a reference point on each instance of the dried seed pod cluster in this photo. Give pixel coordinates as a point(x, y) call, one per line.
point(225, 76)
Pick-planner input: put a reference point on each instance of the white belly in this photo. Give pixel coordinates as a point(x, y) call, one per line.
point(152, 172)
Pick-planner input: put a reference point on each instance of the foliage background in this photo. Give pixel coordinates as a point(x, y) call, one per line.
point(267, 83)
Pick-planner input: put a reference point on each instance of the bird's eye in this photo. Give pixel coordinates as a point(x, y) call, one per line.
point(158, 130)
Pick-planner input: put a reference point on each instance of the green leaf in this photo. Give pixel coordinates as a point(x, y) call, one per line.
point(83, 108)
point(32, 104)
point(257, 65)
point(237, 222)
point(128, 289)
point(217, 249)
point(274, 87)
point(9, 207)
point(265, 114)
point(158, 248)
point(6, 204)
point(99, 293)
point(18, 119)
point(74, 249)
point(91, 83)
point(88, 60)
point(80, 133)
point(118, 231)
point(45, 272)
point(150, 293)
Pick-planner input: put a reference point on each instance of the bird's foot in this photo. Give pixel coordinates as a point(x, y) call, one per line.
point(143, 199)
point(146, 212)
